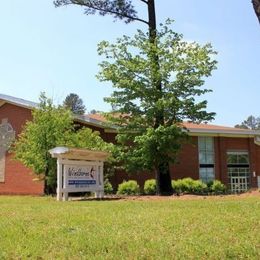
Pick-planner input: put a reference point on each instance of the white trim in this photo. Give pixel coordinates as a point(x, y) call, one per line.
point(80, 162)
point(237, 152)
point(248, 133)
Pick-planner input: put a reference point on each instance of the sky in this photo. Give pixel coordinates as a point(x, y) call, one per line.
point(43, 48)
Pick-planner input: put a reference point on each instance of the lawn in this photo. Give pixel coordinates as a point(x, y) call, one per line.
point(40, 227)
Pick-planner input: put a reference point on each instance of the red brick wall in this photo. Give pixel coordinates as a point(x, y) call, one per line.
point(18, 178)
point(224, 144)
point(188, 161)
point(188, 165)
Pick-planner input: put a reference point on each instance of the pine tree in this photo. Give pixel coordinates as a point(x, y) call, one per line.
point(75, 104)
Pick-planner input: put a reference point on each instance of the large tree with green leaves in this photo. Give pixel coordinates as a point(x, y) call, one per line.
point(126, 11)
point(50, 127)
point(134, 73)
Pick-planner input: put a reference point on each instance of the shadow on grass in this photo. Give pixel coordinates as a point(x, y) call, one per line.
point(96, 199)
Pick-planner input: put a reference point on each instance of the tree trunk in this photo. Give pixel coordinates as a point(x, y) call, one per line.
point(163, 177)
point(163, 180)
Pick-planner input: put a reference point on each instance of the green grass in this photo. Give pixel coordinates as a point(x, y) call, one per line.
point(33, 227)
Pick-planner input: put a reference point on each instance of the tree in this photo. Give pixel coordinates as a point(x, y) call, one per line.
point(124, 10)
point(50, 127)
point(256, 5)
point(251, 122)
point(147, 144)
point(74, 103)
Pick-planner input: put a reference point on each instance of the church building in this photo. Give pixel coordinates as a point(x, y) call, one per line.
point(228, 154)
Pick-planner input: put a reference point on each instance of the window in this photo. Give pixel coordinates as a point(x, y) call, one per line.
point(238, 171)
point(206, 158)
point(237, 158)
point(207, 174)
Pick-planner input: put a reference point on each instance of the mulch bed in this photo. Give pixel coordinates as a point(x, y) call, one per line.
point(253, 193)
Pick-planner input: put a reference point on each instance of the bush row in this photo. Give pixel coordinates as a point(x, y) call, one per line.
point(186, 185)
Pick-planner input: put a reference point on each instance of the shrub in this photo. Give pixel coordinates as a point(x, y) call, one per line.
point(188, 185)
point(199, 187)
point(177, 186)
point(128, 188)
point(150, 187)
point(217, 187)
point(108, 188)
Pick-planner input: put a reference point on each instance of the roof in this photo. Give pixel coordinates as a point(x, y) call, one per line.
point(218, 130)
point(196, 129)
point(78, 154)
point(99, 120)
point(87, 119)
point(17, 101)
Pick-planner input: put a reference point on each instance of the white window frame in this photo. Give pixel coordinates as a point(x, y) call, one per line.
point(203, 142)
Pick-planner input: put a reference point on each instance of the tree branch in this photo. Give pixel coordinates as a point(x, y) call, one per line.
point(92, 6)
point(256, 5)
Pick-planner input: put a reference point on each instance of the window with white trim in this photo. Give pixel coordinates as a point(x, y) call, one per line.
point(206, 158)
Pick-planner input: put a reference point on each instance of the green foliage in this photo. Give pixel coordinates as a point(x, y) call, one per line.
point(44, 132)
point(50, 127)
point(217, 187)
point(128, 188)
point(188, 185)
point(154, 146)
point(199, 187)
point(86, 138)
point(177, 186)
point(133, 70)
point(108, 188)
point(150, 187)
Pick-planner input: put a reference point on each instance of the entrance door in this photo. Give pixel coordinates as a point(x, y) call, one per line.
point(239, 182)
point(238, 171)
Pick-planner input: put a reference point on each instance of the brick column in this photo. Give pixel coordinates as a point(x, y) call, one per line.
point(253, 162)
point(217, 158)
point(222, 153)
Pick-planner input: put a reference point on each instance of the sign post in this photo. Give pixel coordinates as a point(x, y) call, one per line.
point(79, 170)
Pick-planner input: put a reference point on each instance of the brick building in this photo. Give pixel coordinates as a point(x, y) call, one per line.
point(215, 152)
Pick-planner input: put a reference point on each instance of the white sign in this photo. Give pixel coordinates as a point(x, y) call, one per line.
point(79, 170)
point(81, 176)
